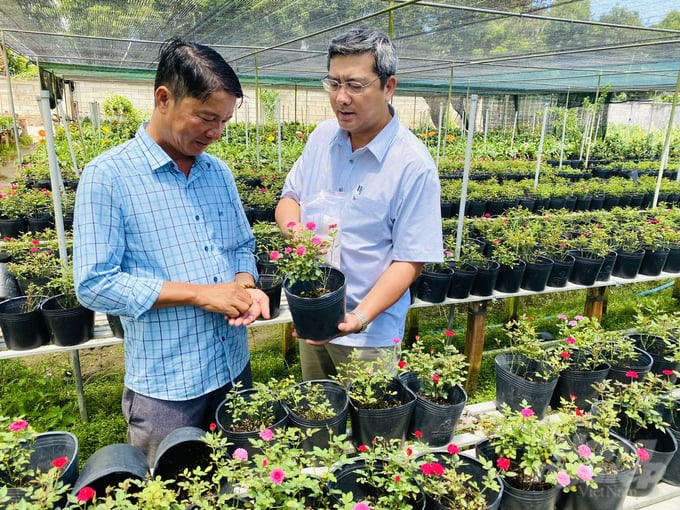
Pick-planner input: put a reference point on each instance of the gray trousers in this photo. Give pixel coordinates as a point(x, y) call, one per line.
point(150, 419)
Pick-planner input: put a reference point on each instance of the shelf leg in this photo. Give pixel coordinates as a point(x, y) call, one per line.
point(288, 342)
point(75, 361)
point(474, 341)
point(595, 300)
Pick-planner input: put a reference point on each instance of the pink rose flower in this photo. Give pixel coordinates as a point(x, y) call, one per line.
point(563, 478)
point(584, 451)
point(277, 475)
point(266, 434)
point(585, 473)
point(240, 454)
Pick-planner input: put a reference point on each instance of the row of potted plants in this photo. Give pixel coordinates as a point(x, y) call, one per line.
point(573, 456)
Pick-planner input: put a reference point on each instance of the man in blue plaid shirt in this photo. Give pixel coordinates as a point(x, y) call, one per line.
point(161, 239)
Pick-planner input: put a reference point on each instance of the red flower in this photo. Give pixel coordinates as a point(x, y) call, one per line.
point(401, 363)
point(503, 463)
point(453, 449)
point(565, 355)
point(362, 448)
point(397, 478)
point(448, 332)
point(212, 426)
point(667, 371)
point(60, 462)
point(18, 426)
point(435, 378)
point(432, 469)
point(85, 494)
point(632, 374)
point(418, 434)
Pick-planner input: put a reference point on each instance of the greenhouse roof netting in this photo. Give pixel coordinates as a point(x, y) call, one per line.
point(483, 46)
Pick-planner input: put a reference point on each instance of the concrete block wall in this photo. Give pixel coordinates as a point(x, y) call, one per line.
point(306, 106)
point(312, 106)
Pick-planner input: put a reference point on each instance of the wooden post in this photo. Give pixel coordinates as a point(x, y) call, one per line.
point(288, 341)
point(474, 342)
point(511, 308)
point(411, 328)
point(676, 289)
point(594, 302)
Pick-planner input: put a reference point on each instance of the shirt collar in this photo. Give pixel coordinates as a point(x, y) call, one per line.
point(382, 141)
point(156, 156)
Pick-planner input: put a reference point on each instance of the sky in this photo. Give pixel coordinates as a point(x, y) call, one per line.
point(650, 11)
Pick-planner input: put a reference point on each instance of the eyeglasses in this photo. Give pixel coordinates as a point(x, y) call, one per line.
point(353, 88)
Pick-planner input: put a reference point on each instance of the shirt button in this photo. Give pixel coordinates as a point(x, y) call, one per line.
point(197, 217)
point(205, 248)
point(215, 279)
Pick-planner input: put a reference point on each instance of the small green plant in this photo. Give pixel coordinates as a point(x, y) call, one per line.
point(307, 399)
point(251, 410)
point(438, 370)
point(369, 381)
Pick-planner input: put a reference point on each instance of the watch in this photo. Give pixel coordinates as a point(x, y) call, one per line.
point(362, 318)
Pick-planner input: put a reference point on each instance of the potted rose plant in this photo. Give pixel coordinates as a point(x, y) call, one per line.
point(434, 370)
point(314, 290)
point(454, 481)
point(380, 403)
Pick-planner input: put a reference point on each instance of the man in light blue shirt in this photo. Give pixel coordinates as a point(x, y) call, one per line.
point(161, 239)
point(367, 173)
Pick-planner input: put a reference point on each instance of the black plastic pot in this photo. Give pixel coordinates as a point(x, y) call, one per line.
point(560, 271)
point(510, 277)
point(472, 468)
point(485, 281)
point(662, 446)
point(641, 364)
point(627, 263)
point(536, 274)
point(672, 264)
point(607, 267)
point(317, 318)
point(68, 326)
point(462, 281)
point(578, 384)
point(612, 487)
point(22, 330)
point(334, 426)
point(390, 422)
point(351, 478)
point(514, 498)
point(513, 384)
point(436, 422)
point(434, 285)
point(271, 285)
point(656, 347)
point(654, 261)
point(586, 268)
point(110, 465)
point(241, 439)
point(182, 449)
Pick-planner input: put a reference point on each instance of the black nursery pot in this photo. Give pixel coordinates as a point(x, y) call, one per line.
point(513, 384)
point(317, 318)
point(271, 285)
point(22, 330)
point(390, 422)
point(68, 326)
point(434, 285)
point(462, 281)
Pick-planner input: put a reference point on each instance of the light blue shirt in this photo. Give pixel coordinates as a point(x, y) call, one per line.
point(139, 222)
point(385, 198)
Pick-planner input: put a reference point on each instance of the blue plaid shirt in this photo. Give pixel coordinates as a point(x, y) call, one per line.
point(139, 222)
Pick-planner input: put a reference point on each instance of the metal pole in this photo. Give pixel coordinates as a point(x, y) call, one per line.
point(55, 177)
point(11, 103)
point(65, 123)
point(278, 132)
point(540, 145)
point(667, 142)
point(514, 128)
point(439, 133)
point(564, 129)
point(466, 176)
